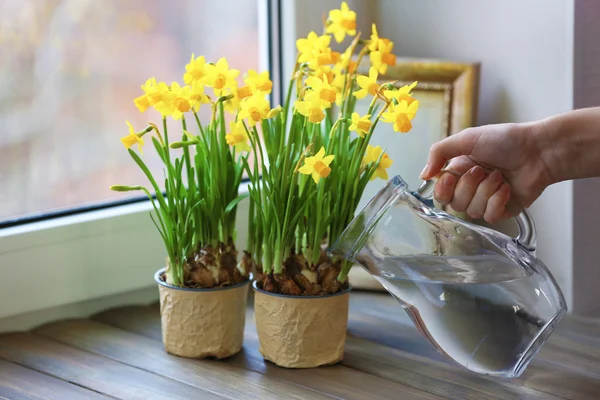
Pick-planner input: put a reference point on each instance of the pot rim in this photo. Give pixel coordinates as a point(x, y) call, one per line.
point(325, 296)
point(161, 271)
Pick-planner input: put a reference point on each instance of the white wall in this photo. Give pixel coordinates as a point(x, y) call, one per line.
point(525, 49)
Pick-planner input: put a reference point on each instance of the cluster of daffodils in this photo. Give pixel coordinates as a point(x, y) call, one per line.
point(312, 155)
point(203, 166)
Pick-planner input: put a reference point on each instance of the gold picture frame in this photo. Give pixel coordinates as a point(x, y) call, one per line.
point(458, 81)
point(448, 95)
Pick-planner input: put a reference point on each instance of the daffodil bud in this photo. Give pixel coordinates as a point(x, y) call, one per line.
point(274, 112)
point(178, 145)
point(225, 98)
point(124, 188)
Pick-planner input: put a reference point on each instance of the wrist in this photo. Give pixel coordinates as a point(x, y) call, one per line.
point(569, 144)
point(546, 135)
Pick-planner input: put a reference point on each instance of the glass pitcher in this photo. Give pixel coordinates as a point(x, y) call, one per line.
point(480, 297)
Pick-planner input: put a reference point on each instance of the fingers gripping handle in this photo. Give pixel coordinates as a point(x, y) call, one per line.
point(527, 235)
point(425, 191)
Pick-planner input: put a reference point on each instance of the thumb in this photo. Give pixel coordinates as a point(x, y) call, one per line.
point(443, 151)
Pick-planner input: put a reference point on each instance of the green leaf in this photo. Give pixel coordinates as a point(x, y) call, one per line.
point(231, 206)
point(158, 148)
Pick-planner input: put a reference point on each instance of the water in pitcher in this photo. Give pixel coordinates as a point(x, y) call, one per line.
point(490, 328)
point(479, 296)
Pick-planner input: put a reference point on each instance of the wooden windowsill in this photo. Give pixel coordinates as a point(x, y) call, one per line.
point(118, 353)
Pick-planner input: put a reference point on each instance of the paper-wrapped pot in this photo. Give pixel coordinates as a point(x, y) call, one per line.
point(200, 323)
point(301, 331)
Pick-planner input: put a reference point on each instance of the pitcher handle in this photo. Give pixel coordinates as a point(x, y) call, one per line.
point(527, 237)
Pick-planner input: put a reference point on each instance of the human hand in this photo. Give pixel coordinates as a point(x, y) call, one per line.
point(502, 170)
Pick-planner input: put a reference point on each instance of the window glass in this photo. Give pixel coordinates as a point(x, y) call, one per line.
point(69, 71)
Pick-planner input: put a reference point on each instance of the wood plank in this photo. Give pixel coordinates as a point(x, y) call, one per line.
point(91, 371)
point(338, 381)
point(579, 327)
point(15, 393)
point(148, 354)
point(556, 370)
point(17, 382)
point(417, 372)
point(567, 366)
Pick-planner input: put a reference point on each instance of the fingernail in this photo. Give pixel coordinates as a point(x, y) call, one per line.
point(476, 172)
point(423, 173)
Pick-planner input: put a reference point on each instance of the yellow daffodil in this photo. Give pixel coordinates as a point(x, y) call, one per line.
point(255, 108)
point(321, 90)
point(341, 22)
point(317, 166)
point(312, 46)
point(197, 96)
point(368, 85)
point(256, 81)
point(237, 136)
point(383, 58)
point(372, 155)
point(325, 72)
point(401, 115)
point(141, 102)
point(374, 39)
point(232, 105)
point(327, 57)
point(220, 77)
point(243, 92)
point(315, 51)
point(180, 102)
point(312, 109)
point(154, 93)
point(166, 106)
point(381, 52)
point(403, 93)
point(195, 70)
point(132, 139)
point(361, 125)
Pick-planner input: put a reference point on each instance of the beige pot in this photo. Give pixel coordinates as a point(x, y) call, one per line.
point(200, 323)
point(301, 331)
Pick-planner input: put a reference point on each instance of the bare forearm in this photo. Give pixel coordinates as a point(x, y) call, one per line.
point(570, 144)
